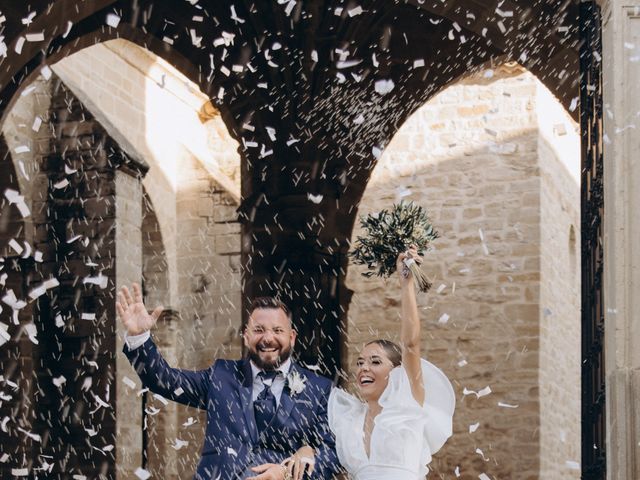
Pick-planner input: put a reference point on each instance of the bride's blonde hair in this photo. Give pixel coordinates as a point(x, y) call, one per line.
point(393, 350)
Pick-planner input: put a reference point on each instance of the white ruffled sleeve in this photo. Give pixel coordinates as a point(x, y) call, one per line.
point(437, 410)
point(344, 414)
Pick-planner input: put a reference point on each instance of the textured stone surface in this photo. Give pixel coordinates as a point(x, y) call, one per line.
point(501, 196)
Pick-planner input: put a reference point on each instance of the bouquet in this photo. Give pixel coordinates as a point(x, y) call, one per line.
point(390, 233)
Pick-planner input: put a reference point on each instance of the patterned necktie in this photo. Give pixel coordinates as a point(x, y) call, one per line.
point(264, 407)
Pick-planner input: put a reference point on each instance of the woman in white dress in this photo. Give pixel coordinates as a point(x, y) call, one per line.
point(408, 403)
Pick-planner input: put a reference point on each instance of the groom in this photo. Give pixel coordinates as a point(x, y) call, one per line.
point(261, 411)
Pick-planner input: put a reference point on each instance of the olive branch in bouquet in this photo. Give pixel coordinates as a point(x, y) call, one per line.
point(390, 233)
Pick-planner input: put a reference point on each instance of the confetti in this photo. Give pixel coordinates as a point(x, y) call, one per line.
point(113, 20)
point(384, 86)
point(35, 37)
point(142, 474)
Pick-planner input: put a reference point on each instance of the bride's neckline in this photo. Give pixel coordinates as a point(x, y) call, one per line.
point(366, 442)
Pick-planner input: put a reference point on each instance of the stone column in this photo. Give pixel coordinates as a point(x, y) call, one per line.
point(621, 76)
point(128, 223)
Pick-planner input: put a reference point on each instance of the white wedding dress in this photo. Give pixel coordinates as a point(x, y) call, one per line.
point(405, 434)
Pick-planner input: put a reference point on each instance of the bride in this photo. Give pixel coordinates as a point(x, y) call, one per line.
point(408, 403)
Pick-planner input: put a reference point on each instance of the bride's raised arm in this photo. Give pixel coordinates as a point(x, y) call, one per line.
point(410, 329)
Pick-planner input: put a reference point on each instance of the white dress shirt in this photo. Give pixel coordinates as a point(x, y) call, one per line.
point(277, 385)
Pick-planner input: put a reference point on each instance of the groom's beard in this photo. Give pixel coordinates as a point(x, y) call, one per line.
point(283, 356)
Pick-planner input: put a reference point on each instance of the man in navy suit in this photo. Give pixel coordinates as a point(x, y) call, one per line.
point(266, 416)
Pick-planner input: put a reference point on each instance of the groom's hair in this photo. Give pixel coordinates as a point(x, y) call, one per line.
point(270, 302)
point(393, 350)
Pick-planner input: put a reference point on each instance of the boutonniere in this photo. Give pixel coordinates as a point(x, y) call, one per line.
point(296, 382)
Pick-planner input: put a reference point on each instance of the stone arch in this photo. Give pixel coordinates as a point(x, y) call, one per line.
point(490, 171)
point(280, 69)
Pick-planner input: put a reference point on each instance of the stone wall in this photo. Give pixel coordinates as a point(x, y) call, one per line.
point(560, 345)
point(473, 157)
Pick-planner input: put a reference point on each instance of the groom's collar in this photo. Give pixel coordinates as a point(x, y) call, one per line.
point(284, 368)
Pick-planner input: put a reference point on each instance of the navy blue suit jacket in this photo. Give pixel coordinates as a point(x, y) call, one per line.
point(232, 442)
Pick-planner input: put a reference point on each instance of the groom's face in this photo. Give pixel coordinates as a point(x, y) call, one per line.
point(269, 337)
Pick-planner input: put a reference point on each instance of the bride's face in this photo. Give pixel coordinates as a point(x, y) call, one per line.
point(372, 372)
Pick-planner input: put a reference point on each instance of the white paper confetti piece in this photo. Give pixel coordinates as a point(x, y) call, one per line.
point(113, 20)
point(19, 44)
point(19, 472)
point(35, 37)
point(128, 382)
point(444, 318)
point(462, 363)
point(507, 405)
point(142, 474)
point(16, 199)
point(355, 11)
point(573, 465)
point(481, 453)
point(485, 391)
point(16, 246)
point(100, 280)
point(59, 381)
point(178, 444)
point(59, 321)
point(289, 8)
point(88, 316)
point(22, 149)
point(46, 72)
point(190, 421)
point(418, 63)
point(4, 335)
point(474, 427)
point(161, 399)
point(61, 184)
point(441, 288)
point(234, 16)
point(272, 133)
point(37, 292)
point(33, 436)
point(574, 104)
point(152, 411)
point(484, 476)
point(457, 472)
point(37, 122)
point(11, 300)
point(68, 30)
point(315, 198)
point(28, 20)
point(178, 391)
point(384, 86)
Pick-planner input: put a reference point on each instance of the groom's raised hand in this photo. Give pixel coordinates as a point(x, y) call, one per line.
point(132, 312)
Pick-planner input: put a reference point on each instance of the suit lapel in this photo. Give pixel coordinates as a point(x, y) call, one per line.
point(245, 388)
